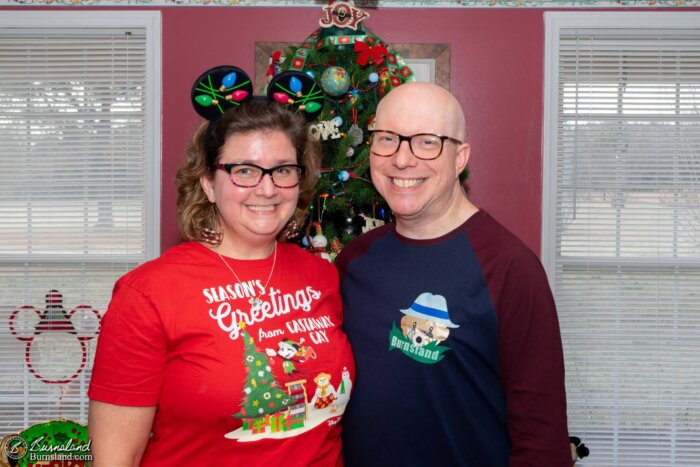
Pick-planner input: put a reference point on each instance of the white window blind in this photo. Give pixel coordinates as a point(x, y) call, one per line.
point(621, 236)
point(79, 184)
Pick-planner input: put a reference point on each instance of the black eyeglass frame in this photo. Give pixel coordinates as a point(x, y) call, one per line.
point(230, 166)
point(408, 138)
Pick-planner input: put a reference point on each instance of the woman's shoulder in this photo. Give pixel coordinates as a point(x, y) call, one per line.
point(173, 260)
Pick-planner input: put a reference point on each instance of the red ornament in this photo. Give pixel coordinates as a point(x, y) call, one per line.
point(275, 60)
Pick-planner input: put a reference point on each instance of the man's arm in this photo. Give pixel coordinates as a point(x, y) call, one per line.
point(532, 365)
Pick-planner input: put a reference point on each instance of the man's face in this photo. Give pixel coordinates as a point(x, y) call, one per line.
point(415, 189)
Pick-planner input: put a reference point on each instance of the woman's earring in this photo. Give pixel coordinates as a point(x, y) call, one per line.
point(292, 229)
point(211, 237)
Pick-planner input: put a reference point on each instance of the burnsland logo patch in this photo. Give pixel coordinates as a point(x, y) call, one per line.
point(425, 324)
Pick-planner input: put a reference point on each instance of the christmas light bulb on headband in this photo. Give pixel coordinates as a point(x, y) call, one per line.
point(228, 81)
point(295, 85)
point(221, 88)
point(208, 90)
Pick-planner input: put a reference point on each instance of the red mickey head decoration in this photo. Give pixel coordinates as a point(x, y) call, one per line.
point(55, 350)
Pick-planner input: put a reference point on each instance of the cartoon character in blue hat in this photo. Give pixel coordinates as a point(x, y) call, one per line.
point(427, 320)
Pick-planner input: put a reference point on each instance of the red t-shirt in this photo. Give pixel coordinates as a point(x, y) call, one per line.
point(234, 383)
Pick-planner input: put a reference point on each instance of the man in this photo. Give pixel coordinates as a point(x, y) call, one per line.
point(452, 322)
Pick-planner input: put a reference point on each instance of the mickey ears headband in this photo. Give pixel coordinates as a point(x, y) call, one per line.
point(224, 87)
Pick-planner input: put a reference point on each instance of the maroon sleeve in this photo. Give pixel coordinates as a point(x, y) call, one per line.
point(531, 356)
point(131, 351)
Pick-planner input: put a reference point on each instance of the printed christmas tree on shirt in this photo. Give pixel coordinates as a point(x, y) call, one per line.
point(262, 395)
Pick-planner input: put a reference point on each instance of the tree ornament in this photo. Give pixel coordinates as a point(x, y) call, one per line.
point(335, 81)
point(342, 14)
point(368, 53)
point(371, 223)
point(337, 120)
point(324, 130)
point(349, 229)
point(355, 132)
point(318, 242)
point(343, 175)
point(274, 64)
point(349, 153)
point(373, 77)
point(370, 122)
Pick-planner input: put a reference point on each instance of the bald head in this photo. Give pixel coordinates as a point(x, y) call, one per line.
point(419, 107)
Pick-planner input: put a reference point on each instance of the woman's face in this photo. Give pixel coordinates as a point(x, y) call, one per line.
point(253, 216)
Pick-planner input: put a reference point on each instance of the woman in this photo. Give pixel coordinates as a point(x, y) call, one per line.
point(213, 347)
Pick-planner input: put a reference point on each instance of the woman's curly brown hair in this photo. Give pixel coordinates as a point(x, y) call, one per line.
point(194, 211)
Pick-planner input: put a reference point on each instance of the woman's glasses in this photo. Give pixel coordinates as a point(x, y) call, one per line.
point(250, 175)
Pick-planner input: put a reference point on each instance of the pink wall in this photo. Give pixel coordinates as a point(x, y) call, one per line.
point(496, 72)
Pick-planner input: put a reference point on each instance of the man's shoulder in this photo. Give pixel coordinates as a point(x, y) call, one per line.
point(485, 232)
point(359, 246)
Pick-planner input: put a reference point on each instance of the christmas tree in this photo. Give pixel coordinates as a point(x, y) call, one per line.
point(355, 69)
point(261, 393)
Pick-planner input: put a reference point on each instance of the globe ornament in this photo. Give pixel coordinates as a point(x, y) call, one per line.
point(335, 81)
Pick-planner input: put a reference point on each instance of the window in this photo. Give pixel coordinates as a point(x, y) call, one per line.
point(79, 190)
point(621, 229)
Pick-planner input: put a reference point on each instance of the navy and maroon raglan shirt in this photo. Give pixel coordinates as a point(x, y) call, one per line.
point(458, 353)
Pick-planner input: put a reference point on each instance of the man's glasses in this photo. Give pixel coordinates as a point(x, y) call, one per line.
point(424, 146)
point(250, 175)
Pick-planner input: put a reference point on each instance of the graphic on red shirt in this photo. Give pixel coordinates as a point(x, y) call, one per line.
point(271, 410)
point(291, 352)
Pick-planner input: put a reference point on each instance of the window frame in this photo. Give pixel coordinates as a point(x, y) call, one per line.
point(555, 22)
point(150, 22)
point(104, 19)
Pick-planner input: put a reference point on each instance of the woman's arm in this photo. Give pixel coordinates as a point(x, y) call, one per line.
point(118, 433)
